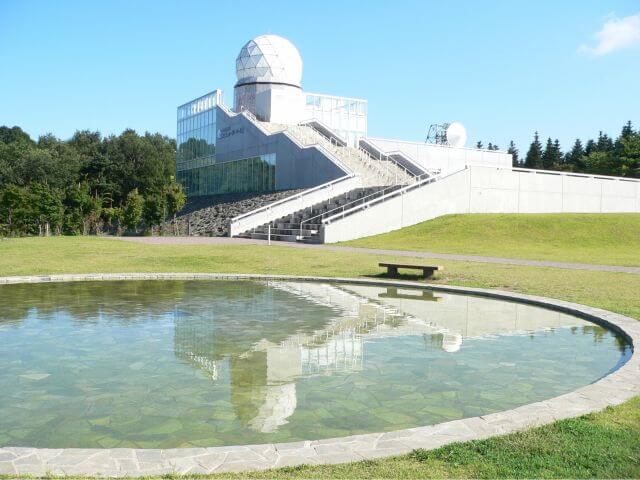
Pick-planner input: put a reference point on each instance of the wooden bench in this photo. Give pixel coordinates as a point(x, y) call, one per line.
point(427, 270)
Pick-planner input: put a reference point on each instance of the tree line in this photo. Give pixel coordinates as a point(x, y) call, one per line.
point(619, 157)
point(88, 184)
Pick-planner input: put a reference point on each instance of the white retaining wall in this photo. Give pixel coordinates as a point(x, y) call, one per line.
point(489, 190)
point(444, 157)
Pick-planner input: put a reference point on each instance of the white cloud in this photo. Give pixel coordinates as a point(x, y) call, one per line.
point(616, 34)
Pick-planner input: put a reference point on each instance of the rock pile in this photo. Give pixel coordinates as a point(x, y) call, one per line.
point(211, 215)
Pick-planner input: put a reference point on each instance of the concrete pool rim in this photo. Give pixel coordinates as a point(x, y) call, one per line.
point(612, 389)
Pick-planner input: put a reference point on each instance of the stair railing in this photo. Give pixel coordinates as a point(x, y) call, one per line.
point(358, 201)
point(379, 165)
point(428, 179)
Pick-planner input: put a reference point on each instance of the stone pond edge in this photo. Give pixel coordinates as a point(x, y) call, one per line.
point(613, 389)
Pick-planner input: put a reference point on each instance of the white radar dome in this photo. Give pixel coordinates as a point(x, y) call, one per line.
point(451, 343)
point(456, 134)
point(269, 59)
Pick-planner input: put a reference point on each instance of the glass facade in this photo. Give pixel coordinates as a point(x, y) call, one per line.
point(197, 167)
point(196, 132)
point(255, 174)
point(347, 116)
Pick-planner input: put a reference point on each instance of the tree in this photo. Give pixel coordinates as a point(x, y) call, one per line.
point(534, 155)
point(513, 151)
point(113, 217)
point(628, 154)
point(154, 211)
point(600, 163)
point(87, 172)
point(574, 159)
point(132, 211)
point(46, 204)
point(175, 199)
point(14, 206)
point(82, 210)
point(627, 130)
point(604, 143)
point(479, 145)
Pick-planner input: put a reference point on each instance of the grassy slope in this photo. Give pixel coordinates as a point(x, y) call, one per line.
point(606, 239)
point(605, 444)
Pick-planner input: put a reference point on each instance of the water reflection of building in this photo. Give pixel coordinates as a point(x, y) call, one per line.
point(334, 324)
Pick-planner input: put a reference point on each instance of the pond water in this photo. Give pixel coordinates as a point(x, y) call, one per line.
point(161, 364)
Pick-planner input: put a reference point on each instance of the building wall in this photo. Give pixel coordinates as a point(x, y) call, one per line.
point(296, 167)
point(491, 190)
point(443, 157)
point(270, 102)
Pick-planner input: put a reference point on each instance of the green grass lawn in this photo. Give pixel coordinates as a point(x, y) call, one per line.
point(602, 445)
point(612, 239)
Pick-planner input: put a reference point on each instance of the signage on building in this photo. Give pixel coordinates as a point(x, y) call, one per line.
point(229, 132)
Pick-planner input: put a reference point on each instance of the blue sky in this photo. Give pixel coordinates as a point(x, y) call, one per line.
point(503, 68)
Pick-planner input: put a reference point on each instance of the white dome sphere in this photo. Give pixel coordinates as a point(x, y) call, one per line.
point(451, 343)
point(269, 59)
point(456, 134)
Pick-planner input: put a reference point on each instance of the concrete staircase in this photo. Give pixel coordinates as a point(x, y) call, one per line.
point(306, 225)
point(373, 170)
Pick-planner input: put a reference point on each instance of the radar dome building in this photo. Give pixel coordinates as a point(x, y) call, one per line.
point(269, 72)
point(278, 137)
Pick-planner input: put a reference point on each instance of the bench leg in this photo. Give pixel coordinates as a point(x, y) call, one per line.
point(392, 271)
point(427, 273)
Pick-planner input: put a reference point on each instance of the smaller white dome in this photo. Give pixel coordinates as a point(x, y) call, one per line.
point(456, 134)
point(269, 59)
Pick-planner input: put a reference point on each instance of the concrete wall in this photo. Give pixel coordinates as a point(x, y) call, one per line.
point(442, 157)
point(296, 167)
point(489, 190)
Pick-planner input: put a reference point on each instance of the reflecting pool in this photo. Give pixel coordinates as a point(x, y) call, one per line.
point(160, 364)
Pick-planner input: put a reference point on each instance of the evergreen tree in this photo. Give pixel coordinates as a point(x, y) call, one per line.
point(534, 155)
point(590, 147)
point(604, 143)
point(627, 130)
point(575, 158)
point(479, 145)
point(547, 155)
point(627, 152)
point(557, 154)
point(514, 154)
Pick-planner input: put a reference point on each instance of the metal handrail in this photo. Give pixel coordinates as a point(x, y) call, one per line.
point(400, 191)
point(293, 197)
point(390, 175)
point(392, 154)
point(388, 159)
point(381, 169)
point(361, 200)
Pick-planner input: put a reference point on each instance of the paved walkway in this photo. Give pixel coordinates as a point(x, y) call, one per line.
point(398, 253)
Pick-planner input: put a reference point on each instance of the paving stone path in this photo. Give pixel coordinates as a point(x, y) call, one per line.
point(612, 389)
point(377, 251)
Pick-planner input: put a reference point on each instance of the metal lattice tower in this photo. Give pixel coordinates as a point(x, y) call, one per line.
point(437, 133)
